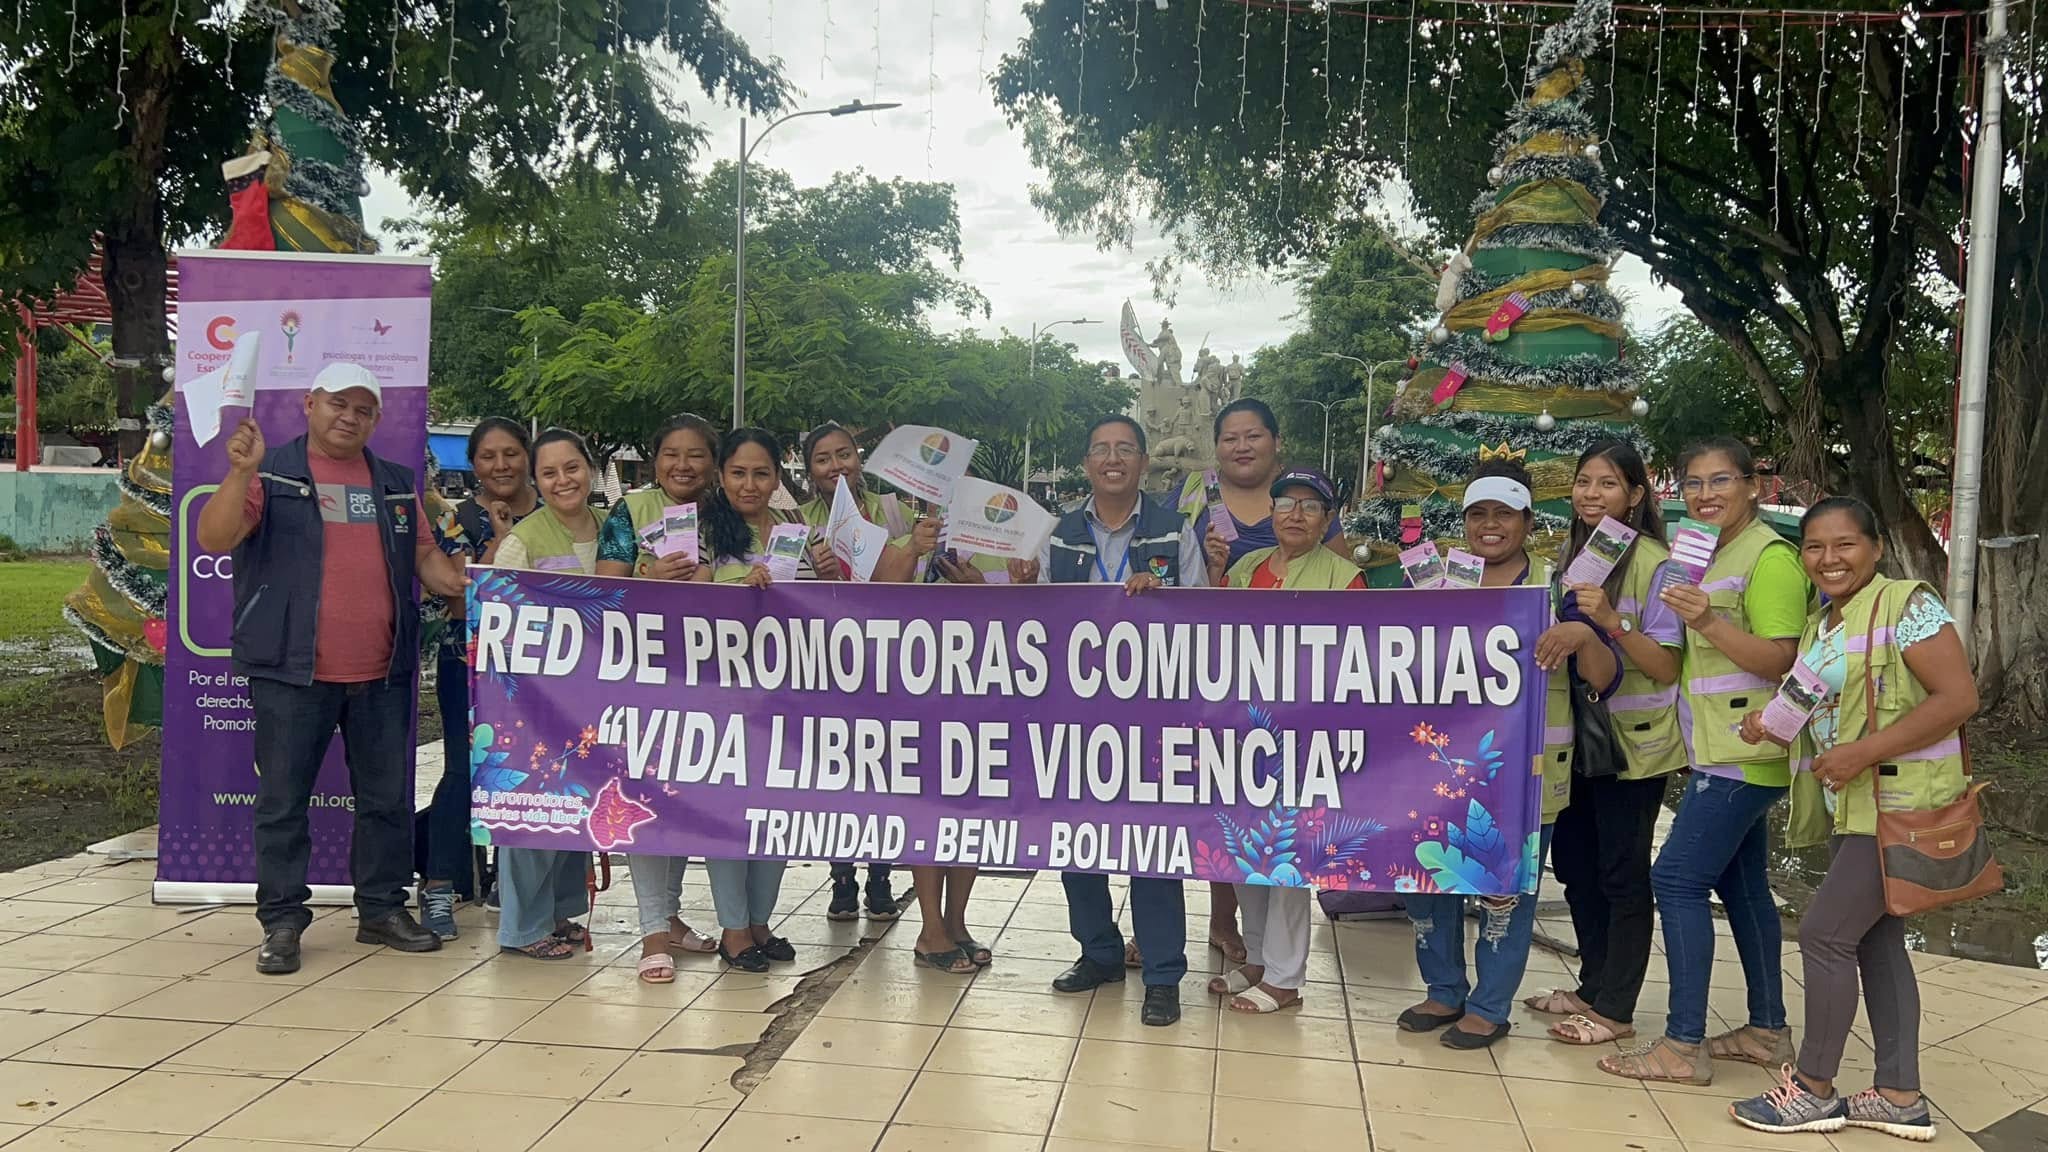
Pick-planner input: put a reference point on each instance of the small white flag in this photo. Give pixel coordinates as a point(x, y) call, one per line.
point(996, 521)
point(232, 385)
point(857, 543)
point(923, 461)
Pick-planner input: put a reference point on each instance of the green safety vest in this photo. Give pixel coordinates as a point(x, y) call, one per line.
point(1717, 690)
point(1915, 782)
point(550, 545)
point(645, 507)
point(1556, 763)
point(1645, 713)
point(1320, 570)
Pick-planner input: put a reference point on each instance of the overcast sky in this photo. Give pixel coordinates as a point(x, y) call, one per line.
point(949, 129)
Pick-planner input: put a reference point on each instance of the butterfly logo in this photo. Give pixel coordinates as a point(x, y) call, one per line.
point(613, 817)
point(380, 327)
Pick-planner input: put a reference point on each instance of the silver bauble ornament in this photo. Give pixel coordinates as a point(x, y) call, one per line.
point(1579, 290)
point(1593, 153)
point(1439, 334)
point(363, 188)
point(1362, 554)
point(1496, 174)
point(1640, 408)
point(159, 440)
point(1545, 422)
point(170, 374)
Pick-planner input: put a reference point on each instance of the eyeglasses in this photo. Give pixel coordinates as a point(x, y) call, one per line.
point(1118, 451)
point(1307, 505)
point(1717, 484)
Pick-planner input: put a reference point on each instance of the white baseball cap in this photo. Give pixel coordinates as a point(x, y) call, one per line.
point(342, 376)
point(1499, 489)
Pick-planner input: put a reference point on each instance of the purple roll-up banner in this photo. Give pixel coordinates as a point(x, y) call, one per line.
point(1386, 740)
point(313, 310)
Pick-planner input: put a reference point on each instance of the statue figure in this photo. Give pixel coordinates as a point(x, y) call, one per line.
point(1209, 381)
point(1169, 353)
point(1233, 379)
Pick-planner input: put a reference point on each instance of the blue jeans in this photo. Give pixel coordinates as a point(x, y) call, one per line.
point(539, 888)
point(1719, 843)
point(1158, 920)
point(449, 855)
point(1500, 959)
point(743, 891)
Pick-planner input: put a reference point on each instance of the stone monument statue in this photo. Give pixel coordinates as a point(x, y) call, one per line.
point(1233, 379)
point(1174, 413)
point(1169, 353)
point(1209, 381)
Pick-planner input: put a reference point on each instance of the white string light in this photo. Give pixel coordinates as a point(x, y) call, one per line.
point(1081, 77)
point(611, 68)
point(1899, 141)
point(177, 10)
point(1451, 64)
point(1699, 54)
point(71, 56)
point(931, 88)
point(1201, 20)
point(1500, 47)
point(1286, 44)
point(1408, 92)
point(558, 37)
point(825, 44)
point(1862, 89)
point(391, 68)
point(1329, 17)
point(1778, 126)
point(1820, 71)
point(506, 43)
point(2027, 133)
point(1656, 121)
point(1364, 66)
point(1613, 75)
point(454, 98)
point(1735, 113)
point(1134, 46)
point(1940, 69)
point(980, 54)
point(120, 68)
point(1528, 60)
point(1244, 45)
point(875, 93)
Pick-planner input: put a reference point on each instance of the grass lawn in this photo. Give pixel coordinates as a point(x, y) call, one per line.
point(31, 609)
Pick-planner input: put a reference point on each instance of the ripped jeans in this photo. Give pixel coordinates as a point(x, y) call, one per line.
point(1501, 955)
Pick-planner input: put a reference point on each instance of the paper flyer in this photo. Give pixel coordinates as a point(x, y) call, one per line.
point(650, 536)
point(923, 461)
point(996, 521)
point(1692, 548)
point(1463, 570)
point(678, 532)
point(232, 385)
point(786, 550)
point(1603, 552)
point(1799, 694)
point(1220, 518)
point(857, 543)
point(1424, 565)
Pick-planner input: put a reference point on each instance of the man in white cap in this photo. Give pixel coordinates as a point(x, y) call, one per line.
point(328, 541)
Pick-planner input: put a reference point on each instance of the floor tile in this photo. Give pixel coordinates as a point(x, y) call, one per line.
point(1621, 1109)
point(464, 1017)
point(1154, 1067)
point(1412, 1132)
point(182, 1103)
point(397, 1061)
point(578, 1021)
point(1022, 1012)
point(97, 891)
point(13, 978)
point(520, 978)
point(119, 1042)
point(911, 1138)
point(1384, 1044)
point(1269, 1125)
point(981, 1103)
point(42, 1092)
point(538, 1070)
point(23, 1030)
point(314, 1113)
point(1117, 1019)
point(753, 1131)
point(314, 966)
point(831, 1091)
point(1279, 1034)
point(700, 1030)
point(639, 1128)
point(905, 1003)
point(259, 1051)
point(51, 1138)
point(972, 1052)
point(675, 1079)
point(1133, 1116)
point(1705, 1120)
point(1576, 1140)
point(119, 921)
point(745, 992)
point(392, 972)
point(215, 1001)
point(225, 1144)
point(342, 1009)
point(13, 884)
point(2013, 985)
point(1256, 1076)
point(163, 958)
point(1530, 1054)
point(1428, 1092)
point(1977, 1093)
point(620, 984)
point(83, 992)
point(1010, 974)
point(470, 1122)
point(873, 1042)
point(29, 915)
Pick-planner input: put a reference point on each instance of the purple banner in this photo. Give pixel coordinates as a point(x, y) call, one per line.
point(1350, 740)
point(313, 310)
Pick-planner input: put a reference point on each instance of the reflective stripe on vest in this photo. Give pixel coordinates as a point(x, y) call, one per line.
point(1645, 712)
point(1717, 690)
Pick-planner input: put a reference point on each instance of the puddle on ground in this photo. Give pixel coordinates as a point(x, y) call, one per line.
point(40, 657)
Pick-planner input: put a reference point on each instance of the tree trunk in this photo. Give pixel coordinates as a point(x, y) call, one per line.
point(136, 265)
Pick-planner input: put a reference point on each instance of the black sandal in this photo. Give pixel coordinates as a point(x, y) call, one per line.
point(978, 953)
point(574, 934)
point(1416, 1020)
point(777, 949)
point(1465, 1041)
point(749, 959)
point(545, 948)
point(950, 962)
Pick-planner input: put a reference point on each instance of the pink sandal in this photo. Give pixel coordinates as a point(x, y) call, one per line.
point(659, 968)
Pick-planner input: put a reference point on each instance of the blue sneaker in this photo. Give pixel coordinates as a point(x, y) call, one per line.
point(1791, 1107)
point(1869, 1109)
point(437, 912)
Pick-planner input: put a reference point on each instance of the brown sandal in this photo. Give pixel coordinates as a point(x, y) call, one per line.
point(545, 948)
point(1556, 1002)
point(1743, 1044)
point(1643, 1064)
point(1583, 1031)
point(684, 939)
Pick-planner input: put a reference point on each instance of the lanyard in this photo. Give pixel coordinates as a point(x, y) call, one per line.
point(1123, 566)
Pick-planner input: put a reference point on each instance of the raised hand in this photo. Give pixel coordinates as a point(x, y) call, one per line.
point(245, 447)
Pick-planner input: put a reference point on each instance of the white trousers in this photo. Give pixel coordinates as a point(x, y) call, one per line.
point(1276, 931)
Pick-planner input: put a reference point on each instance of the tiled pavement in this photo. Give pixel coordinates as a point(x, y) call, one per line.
point(129, 1027)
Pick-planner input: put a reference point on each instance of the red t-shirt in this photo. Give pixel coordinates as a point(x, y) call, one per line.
point(1262, 577)
point(352, 638)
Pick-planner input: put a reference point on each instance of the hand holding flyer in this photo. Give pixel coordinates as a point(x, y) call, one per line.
point(1603, 551)
point(786, 550)
point(1424, 565)
point(1463, 570)
point(1220, 519)
point(1692, 548)
point(678, 532)
point(1799, 694)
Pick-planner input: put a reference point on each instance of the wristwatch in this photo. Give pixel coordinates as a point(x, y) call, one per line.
point(1627, 626)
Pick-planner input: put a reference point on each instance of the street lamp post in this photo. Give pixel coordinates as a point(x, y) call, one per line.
point(1372, 371)
point(739, 244)
point(1326, 429)
point(1031, 380)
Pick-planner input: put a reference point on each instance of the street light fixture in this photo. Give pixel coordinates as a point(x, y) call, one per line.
point(739, 245)
point(1031, 379)
point(1371, 373)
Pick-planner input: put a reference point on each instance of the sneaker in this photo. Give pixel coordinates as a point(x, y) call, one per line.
point(437, 912)
point(1869, 1109)
point(881, 900)
point(279, 955)
point(845, 900)
point(1791, 1107)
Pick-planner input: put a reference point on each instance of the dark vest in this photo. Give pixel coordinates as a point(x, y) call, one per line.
point(1155, 548)
point(278, 568)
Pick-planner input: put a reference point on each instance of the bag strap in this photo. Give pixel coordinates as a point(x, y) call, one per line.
point(1870, 724)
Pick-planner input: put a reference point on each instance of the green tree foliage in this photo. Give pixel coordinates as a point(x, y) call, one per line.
point(74, 386)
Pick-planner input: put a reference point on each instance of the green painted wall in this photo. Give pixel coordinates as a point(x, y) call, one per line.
point(55, 509)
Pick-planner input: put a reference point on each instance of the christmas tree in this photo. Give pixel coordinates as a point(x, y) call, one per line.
point(1526, 360)
point(120, 607)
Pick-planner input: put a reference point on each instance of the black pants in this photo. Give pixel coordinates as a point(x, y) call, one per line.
point(449, 855)
point(293, 728)
point(843, 873)
point(1600, 851)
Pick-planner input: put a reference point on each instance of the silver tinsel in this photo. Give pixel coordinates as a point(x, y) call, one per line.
point(1486, 364)
point(1588, 240)
point(1380, 519)
point(1576, 35)
point(1569, 438)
